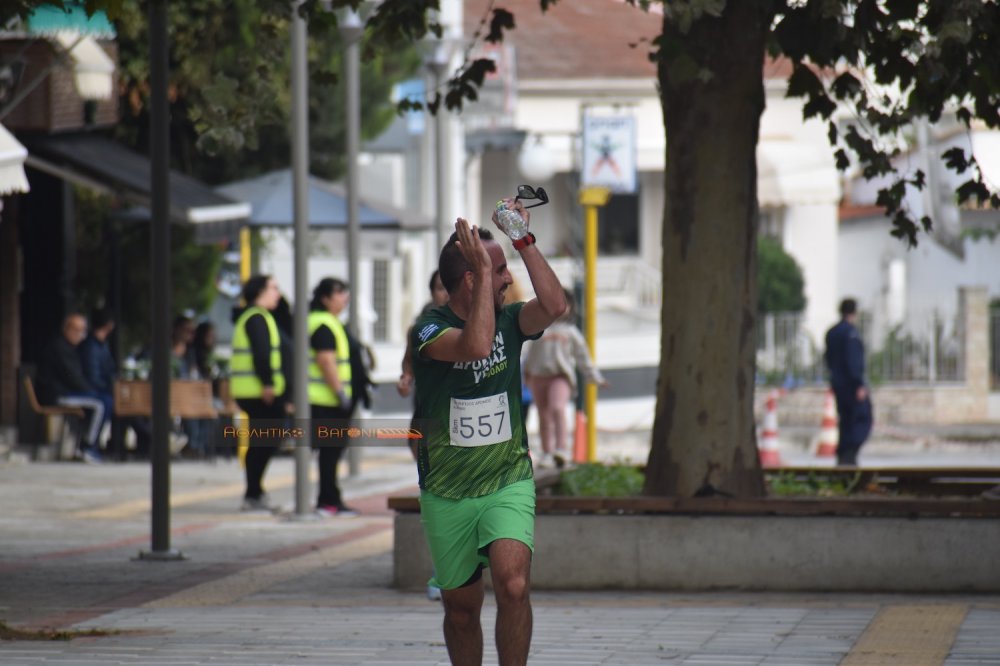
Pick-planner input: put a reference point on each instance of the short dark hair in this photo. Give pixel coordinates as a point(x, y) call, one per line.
point(327, 287)
point(452, 266)
point(435, 276)
point(848, 306)
point(101, 317)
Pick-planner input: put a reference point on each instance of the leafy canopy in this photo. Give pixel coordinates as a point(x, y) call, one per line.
point(890, 62)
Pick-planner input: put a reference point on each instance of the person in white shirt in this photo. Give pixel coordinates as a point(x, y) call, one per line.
point(550, 367)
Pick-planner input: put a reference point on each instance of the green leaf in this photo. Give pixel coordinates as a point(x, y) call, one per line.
point(803, 82)
point(502, 20)
point(954, 159)
point(973, 189)
point(846, 86)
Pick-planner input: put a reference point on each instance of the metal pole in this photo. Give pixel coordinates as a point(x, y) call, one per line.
point(352, 83)
point(300, 180)
point(159, 130)
point(439, 162)
point(591, 198)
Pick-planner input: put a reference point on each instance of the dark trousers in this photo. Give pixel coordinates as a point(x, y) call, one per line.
point(262, 417)
point(330, 451)
point(853, 427)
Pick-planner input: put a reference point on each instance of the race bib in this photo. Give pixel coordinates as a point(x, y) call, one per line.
point(480, 421)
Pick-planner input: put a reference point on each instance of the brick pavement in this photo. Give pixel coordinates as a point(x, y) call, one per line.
point(257, 589)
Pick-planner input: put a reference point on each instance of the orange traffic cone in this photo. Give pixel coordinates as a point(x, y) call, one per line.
point(768, 446)
point(828, 435)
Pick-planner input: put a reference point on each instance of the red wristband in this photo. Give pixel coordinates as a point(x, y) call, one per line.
point(524, 242)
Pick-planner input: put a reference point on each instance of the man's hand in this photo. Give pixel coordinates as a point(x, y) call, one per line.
point(517, 229)
point(404, 384)
point(861, 393)
point(267, 395)
point(472, 247)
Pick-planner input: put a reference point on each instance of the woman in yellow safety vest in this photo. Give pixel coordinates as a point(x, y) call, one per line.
point(330, 398)
point(257, 382)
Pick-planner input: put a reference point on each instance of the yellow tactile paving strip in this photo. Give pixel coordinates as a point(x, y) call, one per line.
point(122, 510)
point(908, 635)
point(230, 589)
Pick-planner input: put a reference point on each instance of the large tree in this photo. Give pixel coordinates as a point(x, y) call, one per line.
point(892, 61)
point(936, 55)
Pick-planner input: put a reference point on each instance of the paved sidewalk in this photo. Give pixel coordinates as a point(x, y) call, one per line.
point(260, 589)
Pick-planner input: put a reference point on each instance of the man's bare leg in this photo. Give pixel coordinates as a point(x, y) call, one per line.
point(463, 633)
point(510, 566)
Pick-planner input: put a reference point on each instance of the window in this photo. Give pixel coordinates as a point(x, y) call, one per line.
point(618, 225)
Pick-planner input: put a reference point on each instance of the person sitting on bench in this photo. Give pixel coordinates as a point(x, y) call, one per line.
point(61, 381)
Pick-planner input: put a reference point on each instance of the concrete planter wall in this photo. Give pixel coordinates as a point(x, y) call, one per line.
point(586, 551)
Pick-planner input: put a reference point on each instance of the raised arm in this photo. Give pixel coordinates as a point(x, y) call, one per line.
point(549, 303)
point(475, 340)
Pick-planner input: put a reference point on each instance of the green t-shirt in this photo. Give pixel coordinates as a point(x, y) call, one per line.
point(476, 443)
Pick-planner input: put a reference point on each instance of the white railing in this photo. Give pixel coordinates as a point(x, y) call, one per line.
point(785, 353)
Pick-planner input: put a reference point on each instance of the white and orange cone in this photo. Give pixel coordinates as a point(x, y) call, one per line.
point(828, 435)
point(768, 444)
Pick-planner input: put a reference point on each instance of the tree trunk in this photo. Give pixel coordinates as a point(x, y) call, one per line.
point(712, 93)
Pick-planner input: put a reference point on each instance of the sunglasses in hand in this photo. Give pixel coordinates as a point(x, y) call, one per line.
point(529, 192)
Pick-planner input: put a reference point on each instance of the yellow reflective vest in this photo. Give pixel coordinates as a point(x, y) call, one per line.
point(320, 392)
point(244, 382)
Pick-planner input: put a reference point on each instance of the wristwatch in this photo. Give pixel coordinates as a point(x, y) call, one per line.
point(524, 241)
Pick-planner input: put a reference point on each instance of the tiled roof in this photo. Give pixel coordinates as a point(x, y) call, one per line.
point(575, 39)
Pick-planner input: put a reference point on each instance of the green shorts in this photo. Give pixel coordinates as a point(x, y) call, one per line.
point(460, 531)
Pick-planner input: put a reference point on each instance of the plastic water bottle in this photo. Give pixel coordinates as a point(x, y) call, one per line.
point(511, 222)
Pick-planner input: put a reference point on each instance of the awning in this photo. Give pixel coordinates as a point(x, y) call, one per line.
point(986, 150)
point(792, 172)
point(49, 20)
point(12, 156)
point(93, 69)
point(270, 196)
point(99, 163)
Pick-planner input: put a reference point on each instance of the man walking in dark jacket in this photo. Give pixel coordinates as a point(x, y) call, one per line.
point(845, 357)
point(61, 380)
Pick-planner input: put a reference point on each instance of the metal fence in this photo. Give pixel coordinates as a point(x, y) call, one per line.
point(787, 355)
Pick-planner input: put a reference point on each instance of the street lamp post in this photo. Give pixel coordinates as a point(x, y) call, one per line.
point(351, 30)
point(437, 64)
point(300, 205)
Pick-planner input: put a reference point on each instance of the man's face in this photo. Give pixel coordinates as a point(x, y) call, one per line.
point(75, 330)
point(501, 274)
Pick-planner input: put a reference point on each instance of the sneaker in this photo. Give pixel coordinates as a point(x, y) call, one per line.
point(546, 461)
point(559, 457)
point(433, 593)
point(262, 503)
point(335, 511)
point(92, 456)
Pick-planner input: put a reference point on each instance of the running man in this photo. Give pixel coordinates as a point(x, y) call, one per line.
point(477, 497)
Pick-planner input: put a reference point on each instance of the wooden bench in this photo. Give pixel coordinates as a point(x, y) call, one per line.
point(189, 398)
point(64, 413)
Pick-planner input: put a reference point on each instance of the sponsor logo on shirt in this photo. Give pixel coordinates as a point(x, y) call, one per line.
point(493, 364)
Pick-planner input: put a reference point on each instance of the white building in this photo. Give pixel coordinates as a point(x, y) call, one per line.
point(591, 56)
